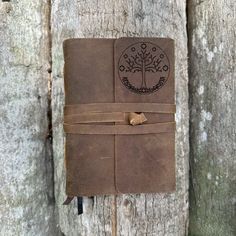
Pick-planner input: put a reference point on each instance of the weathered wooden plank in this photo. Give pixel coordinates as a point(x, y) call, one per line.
point(150, 214)
point(26, 194)
point(213, 101)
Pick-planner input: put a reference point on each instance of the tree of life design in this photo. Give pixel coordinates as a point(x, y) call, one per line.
point(146, 63)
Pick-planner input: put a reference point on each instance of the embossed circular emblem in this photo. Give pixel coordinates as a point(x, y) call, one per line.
point(143, 68)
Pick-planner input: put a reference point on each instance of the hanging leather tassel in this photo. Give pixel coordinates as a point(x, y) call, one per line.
point(68, 200)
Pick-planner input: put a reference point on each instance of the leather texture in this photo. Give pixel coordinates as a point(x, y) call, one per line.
point(119, 116)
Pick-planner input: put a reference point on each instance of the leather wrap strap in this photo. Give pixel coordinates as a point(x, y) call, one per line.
point(119, 107)
point(95, 117)
point(120, 129)
point(78, 118)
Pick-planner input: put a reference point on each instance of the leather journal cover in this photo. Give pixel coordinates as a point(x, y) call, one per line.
point(119, 116)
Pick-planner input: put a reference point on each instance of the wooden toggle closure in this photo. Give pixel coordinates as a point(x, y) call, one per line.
point(136, 119)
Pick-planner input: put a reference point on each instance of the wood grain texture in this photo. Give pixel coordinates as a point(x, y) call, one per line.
point(213, 100)
point(26, 193)
point(142, 214)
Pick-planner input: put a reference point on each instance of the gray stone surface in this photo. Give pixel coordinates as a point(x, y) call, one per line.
point(26, 186)
point(212, 44)
point(143, 214)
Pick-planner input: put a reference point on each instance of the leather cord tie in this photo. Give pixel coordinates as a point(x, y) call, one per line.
point(68, 200)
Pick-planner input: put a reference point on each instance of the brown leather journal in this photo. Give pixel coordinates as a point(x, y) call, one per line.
point(119, 116)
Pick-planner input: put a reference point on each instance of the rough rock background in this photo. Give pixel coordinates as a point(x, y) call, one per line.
point(142, 214)
point(26, 176)
point(212, 52)
point(32, 174)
